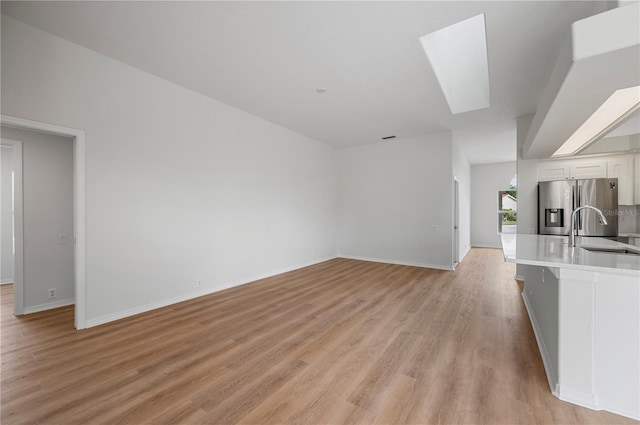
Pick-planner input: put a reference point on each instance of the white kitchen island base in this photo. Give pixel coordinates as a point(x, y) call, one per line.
point(586, 320)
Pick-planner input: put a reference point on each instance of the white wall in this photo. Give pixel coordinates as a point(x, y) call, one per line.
point(396, 201)
point(527, 188)
point(6, 254)
point(628, 218)
point(462, 171)
point(486, 181)
point(47, 199)
point(179, 187)
point(527, 183)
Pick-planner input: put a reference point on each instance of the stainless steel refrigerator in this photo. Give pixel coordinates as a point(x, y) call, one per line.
point(558, 199)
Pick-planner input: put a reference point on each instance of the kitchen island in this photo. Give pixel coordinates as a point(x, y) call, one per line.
point(584, 306)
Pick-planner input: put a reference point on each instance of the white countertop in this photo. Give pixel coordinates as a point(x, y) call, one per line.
point(553, 251)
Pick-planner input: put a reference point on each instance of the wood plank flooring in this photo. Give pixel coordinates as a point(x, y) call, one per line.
point(341, 342)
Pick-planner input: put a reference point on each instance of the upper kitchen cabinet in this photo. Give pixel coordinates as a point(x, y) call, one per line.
point(572, 169)
point(621, 167)
point(626, 168)
point(553, 170)
point(588, 169)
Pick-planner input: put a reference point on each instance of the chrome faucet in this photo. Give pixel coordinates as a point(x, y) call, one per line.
point(572, 235)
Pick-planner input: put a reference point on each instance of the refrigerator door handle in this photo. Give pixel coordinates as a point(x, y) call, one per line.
point(579, 204)
point(576, 204)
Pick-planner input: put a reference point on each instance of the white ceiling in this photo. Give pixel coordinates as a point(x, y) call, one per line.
point(268, 58)
point(489, 143)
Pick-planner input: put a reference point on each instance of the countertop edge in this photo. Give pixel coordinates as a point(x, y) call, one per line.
point(509, 249)
point(581, 267)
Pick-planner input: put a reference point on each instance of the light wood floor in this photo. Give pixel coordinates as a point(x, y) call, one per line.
point(340, 342)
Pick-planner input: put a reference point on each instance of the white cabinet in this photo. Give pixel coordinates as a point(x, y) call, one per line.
point(590, 168)
point(621, 167)
point(626, 168)
point(553, 170)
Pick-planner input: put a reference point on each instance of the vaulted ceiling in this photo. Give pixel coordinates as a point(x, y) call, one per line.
point(269, 59)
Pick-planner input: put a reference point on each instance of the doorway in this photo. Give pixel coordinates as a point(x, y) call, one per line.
point(74, 238)
point(11, 180)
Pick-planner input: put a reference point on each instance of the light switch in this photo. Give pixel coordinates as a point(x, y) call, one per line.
point(62, 238)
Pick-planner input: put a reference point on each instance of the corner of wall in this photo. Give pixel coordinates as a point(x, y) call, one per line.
point(527, 171)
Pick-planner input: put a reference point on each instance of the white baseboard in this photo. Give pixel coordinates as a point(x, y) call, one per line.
point(486, 246)
point(49, 306)
point(552, 375)
point(590, 401)
point(188, 296)
point(580, 398)
point(400, 263)
point(627, 413)
point(518, 277)
point(6, 281)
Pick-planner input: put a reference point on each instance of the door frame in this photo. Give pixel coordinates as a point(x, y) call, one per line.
point(456, 222)
point(18, 267)
point(79, 201)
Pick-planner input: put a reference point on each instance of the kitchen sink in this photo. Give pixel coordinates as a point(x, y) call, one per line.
point(625, 251)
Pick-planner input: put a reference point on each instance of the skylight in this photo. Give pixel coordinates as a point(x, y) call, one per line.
point(616, 108)
point(458, 55)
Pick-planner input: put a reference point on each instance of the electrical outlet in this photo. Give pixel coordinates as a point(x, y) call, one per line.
point(199, 283)
point(51, 293)
point(62, 238)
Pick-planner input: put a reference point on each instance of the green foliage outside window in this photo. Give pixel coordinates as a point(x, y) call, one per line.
point(509, 216)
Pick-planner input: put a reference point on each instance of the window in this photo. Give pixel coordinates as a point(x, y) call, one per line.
point(507, 211)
